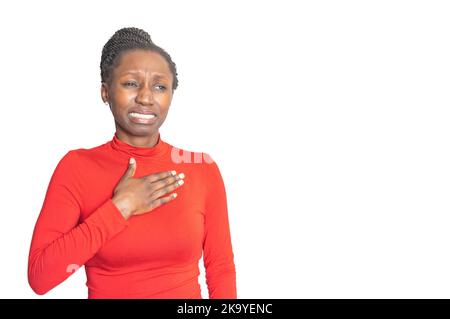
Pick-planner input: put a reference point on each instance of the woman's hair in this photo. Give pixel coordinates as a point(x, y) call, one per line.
point(128, 39)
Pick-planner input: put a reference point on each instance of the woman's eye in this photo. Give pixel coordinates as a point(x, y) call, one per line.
point(133, 84)
point(160, 87)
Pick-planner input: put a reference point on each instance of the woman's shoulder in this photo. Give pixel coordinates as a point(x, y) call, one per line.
point(202, 163)
point(83, 153)
point(188, 156)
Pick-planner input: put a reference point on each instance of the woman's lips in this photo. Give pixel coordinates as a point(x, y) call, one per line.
point(142, 118)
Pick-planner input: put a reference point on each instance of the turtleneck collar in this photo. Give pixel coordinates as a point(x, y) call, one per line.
point(124, 148)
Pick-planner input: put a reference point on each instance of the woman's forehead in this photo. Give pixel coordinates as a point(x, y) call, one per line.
point(142, 61)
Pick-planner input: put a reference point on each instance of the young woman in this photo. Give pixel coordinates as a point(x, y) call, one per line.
point(137, 212)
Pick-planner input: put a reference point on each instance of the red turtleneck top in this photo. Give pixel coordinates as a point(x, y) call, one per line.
point(153, 255)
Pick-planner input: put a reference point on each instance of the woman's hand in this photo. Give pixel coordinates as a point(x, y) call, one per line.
point(135, 196)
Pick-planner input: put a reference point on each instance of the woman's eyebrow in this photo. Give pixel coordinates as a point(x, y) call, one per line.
point(160, 77)
point(156, 76)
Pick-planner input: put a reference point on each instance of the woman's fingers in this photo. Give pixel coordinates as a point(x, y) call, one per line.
point(162, 183)
point(153, 187)
point(158, 176)
point(158, 192)
point(160, 201)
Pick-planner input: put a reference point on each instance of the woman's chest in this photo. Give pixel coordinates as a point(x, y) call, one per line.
point(170, 233)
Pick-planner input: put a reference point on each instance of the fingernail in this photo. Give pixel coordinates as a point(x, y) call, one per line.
point(173, 173)
point(181, 175)
point(132, 161)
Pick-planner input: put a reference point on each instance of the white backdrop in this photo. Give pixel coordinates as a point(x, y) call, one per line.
point(329, 121)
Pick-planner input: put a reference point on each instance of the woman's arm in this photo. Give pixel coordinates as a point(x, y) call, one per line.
point(60, 245)
point(218, 254)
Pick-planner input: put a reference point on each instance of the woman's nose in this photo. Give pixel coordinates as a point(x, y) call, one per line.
point(145, 96)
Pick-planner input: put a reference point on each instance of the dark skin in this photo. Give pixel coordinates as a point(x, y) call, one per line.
point(142, 79)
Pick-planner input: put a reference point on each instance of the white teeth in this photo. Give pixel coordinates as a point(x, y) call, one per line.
point(142, 116)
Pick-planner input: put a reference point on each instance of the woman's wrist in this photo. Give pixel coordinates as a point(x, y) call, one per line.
point(123, 208)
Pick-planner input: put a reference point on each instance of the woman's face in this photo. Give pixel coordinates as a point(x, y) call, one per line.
point(140, 83)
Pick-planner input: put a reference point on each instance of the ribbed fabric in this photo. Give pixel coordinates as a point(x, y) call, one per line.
point(153, 255)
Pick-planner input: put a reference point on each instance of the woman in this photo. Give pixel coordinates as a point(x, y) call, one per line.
point(137, 212)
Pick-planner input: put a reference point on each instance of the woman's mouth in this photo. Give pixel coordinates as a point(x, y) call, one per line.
point(142, 118)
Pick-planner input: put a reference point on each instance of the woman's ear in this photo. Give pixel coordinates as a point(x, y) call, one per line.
point(104, 92)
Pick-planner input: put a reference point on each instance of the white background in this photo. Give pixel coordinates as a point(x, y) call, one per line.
point(329, 121)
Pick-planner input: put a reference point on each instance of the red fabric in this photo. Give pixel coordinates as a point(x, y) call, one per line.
point(154, 255)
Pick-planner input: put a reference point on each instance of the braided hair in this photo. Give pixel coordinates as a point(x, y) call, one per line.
point(128, 39)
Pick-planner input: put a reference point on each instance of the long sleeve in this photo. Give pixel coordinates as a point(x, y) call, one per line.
point(218, 254)
point(60, 244)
